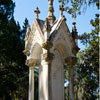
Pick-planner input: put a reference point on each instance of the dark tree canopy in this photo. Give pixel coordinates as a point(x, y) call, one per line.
point(13, 72)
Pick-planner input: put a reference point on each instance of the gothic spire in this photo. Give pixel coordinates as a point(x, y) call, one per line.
point(51, 17)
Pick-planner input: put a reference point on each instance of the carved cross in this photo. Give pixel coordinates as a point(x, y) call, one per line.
point(37, 12)
point(61, 10)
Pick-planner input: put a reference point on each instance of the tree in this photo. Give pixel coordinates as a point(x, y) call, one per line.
point(13, 72)
point(89, 70)
point(24, 28)
point(76, 7)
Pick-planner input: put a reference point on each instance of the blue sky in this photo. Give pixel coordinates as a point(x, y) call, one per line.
point(25, 9)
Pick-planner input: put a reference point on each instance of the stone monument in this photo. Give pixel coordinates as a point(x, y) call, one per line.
point(49, 45)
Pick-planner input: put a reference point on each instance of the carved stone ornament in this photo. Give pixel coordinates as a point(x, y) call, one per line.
point(31, 62)
point(75, 50)
point(47, 45)
point(26, 52)
point(71, 61)
point(48, 56)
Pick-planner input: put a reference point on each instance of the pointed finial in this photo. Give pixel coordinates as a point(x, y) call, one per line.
point(51, 18)
point(74, 27)
point(28, 26)
point(28, 32)
point(61, 10)
point(37, 12)
point(46, 26)
point(74, 31)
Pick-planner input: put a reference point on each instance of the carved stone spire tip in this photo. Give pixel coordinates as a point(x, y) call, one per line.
point(61, 8)
point(28, 32)
point(74, 32)
point(74, 27)
point(51, 18)
point(74, 23)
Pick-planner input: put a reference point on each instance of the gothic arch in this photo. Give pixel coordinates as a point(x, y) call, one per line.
point(61, 47)
point(36, 52)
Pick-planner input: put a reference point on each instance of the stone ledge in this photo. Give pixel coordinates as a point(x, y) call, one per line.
point(71, 61)
point(47, 45)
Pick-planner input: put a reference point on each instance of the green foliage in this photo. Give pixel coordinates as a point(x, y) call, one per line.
point(13, 72)
point(87, 68)
point(89, 62)
point(6, 9)
point(75, 7)
point(87, 75)
point(24, 28)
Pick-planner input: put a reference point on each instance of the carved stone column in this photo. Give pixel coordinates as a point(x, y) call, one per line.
point(71, 62)
point(44, 78)
point(44, 73)
point(57, 77)
point(31, 63)
point(31, 83)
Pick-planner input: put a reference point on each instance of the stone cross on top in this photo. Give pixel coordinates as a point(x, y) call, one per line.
point(37, 12)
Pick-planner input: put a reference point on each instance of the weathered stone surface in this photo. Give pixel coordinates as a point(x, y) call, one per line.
point(57, 78)
point(26, 52)
point(31, 62)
